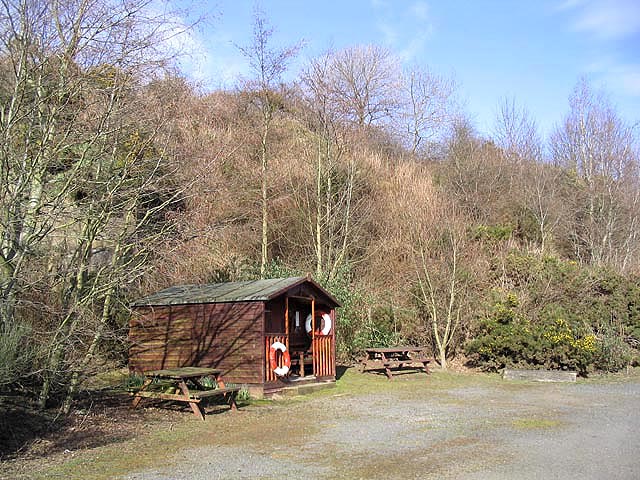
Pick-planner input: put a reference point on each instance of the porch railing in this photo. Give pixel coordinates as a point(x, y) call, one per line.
point(323, 358)
point(322, 349)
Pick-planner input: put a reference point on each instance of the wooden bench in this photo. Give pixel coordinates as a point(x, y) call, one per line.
point(396, 358)
point(177, 379)
point(227, 393)
point(217, 391)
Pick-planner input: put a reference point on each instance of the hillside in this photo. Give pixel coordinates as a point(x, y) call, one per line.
point(119, 178)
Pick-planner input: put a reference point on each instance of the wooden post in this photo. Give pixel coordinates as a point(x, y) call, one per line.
point(286, 321)
point(313, 335)
point(333, 342)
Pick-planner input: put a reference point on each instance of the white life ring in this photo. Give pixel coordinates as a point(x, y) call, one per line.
point(327, 324)
point(284, 369)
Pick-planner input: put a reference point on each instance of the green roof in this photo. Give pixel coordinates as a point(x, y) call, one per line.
point(251, 291)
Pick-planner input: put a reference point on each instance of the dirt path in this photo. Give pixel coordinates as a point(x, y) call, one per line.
point(473, 431)
point(451, 426)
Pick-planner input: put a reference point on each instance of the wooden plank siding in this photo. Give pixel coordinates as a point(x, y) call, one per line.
point(227, 336)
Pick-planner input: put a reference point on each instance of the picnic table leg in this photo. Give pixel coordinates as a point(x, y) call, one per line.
point(220, 381)
point(232, 401)
point(137, 400)
point(195, 406)
point(387, 370)
point(232, 395)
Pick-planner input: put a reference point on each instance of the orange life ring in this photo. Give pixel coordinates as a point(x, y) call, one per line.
point(286, 360)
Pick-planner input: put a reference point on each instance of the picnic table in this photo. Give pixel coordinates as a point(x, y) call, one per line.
point(158, 382)
point(395, 358)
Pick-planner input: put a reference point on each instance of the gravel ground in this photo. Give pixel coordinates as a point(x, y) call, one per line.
point(481, 431)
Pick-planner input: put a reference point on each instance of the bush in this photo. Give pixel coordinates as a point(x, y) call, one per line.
point(614, 353)
point(16, 354)
point(555, 313)
point(506, 338)
point(133, 381)
point(359, 325)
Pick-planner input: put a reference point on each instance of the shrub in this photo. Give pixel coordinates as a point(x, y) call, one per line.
point(353, 330)
point(508, 339)
point(555, 313)
point(16, 354)
point(614, 353)
point(133, 381)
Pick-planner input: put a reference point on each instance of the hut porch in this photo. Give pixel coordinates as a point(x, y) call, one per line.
point(306, 327)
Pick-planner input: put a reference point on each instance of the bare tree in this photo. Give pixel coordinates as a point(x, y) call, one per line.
point(338, 204)
point(536, 184)
point(428, 108)
point(517, 134)
point(76, 167)
point(364, 84)
point(474, 172)
point(439, 248)
point(268, 65)
point(596, 144)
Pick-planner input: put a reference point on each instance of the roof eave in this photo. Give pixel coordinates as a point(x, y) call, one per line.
point(300, 281)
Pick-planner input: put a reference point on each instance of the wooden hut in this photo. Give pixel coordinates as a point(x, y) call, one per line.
point(263, 333)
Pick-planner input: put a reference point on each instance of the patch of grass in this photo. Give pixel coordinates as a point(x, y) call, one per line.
point(627, 375)
point(112, 378)
point(536, 423)
point(133, 381)
point(355, 382)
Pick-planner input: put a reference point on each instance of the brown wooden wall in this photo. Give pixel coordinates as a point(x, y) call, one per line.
point(228, 336)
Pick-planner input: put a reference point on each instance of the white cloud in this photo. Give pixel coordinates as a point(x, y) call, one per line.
point(613, 26)
point(631, 81)
point(193, 55)
point(420, 10)
point(415, 46)
point(604, 18)
point(623, 78)
point(379, 4)
point(405, 30)
point(626, 78)
point(390, 35)
point(569, 4)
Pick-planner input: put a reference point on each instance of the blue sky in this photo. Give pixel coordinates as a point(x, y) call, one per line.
point(531, 51)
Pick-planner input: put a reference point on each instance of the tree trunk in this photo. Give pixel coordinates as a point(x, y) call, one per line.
point(264, 244)
point(318, 232)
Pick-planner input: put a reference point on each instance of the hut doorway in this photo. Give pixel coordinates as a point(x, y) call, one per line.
point(307, 330)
